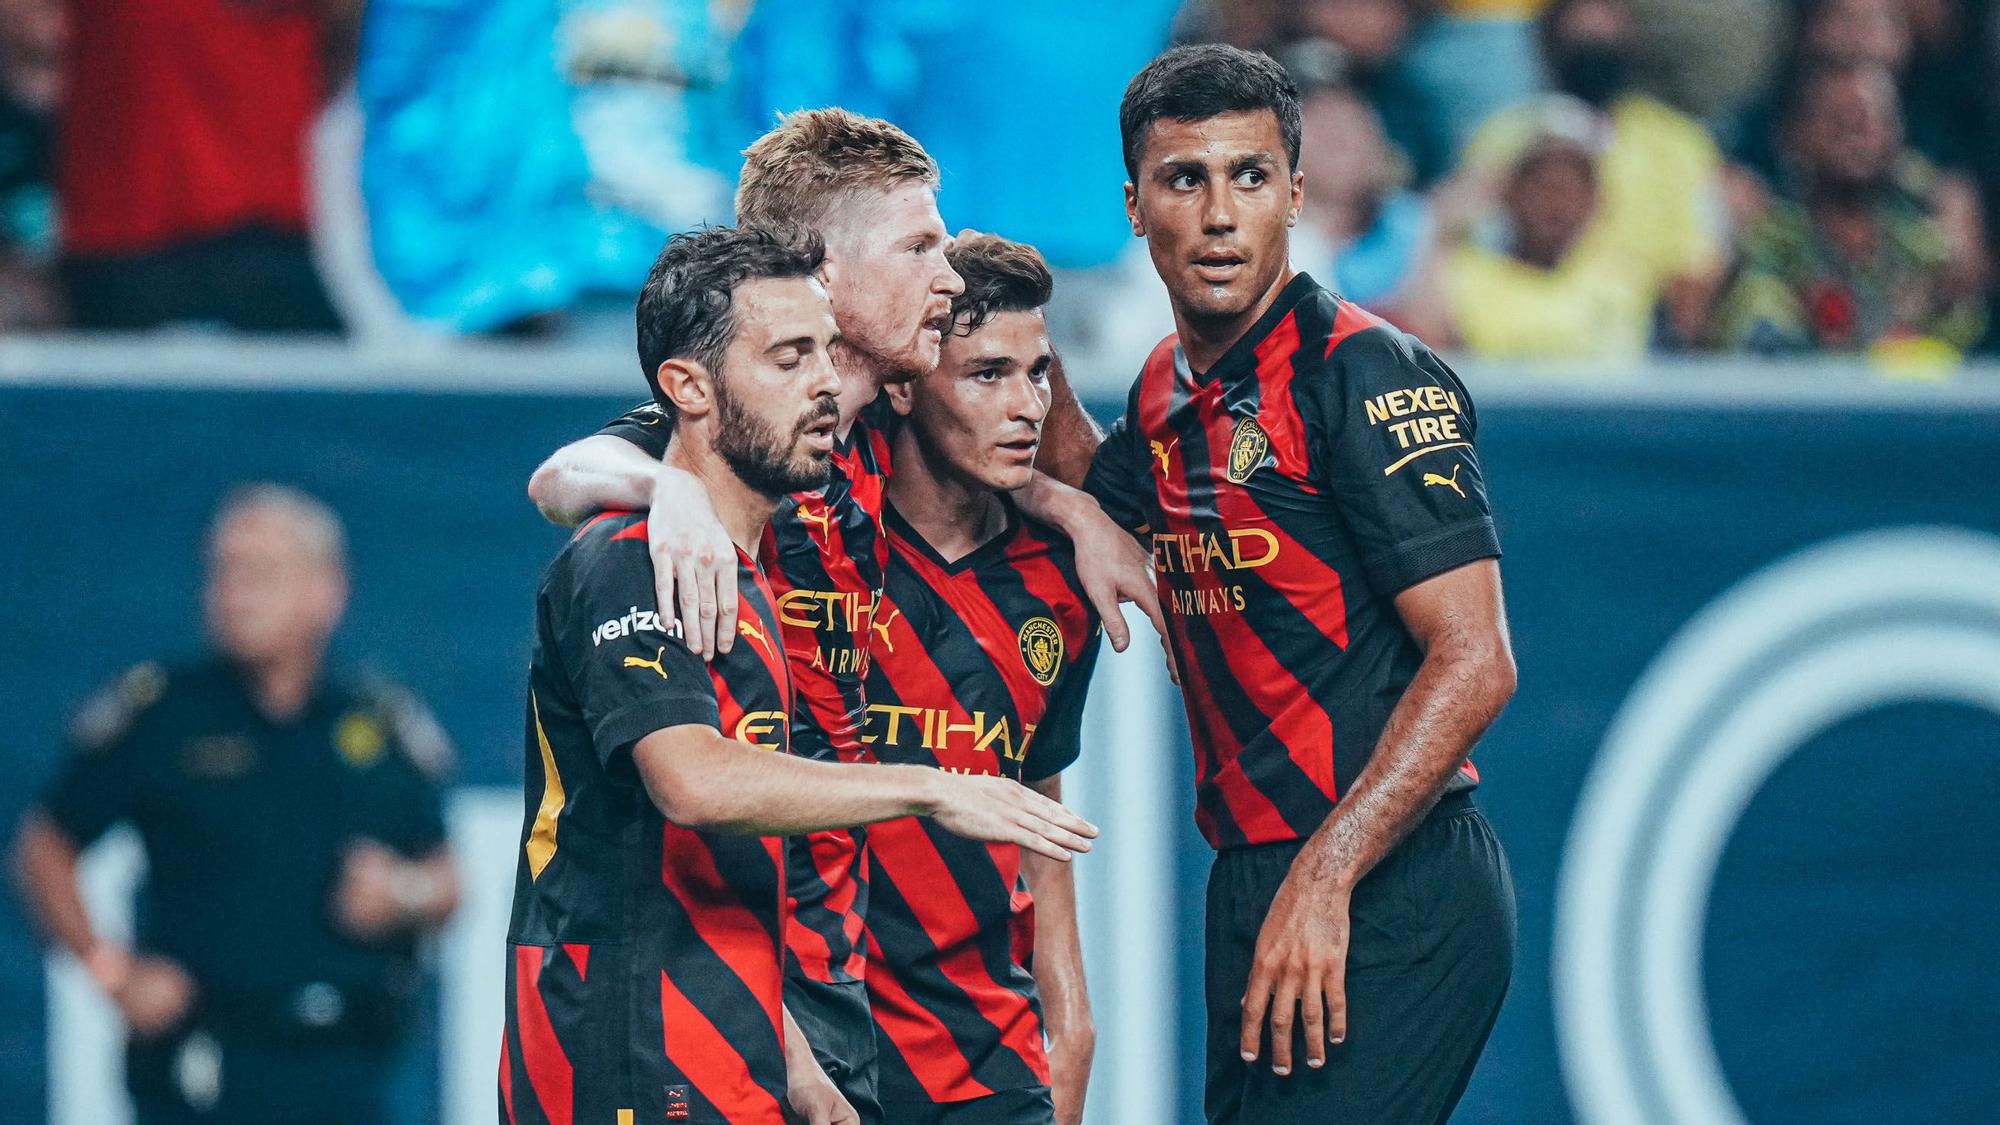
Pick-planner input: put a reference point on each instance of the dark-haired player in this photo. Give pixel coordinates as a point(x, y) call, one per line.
point(869, 189)
point(645, 971)
point(1320, 530)
point(985, 651)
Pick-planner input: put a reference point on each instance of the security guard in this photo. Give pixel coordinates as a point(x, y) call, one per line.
point(294, 840)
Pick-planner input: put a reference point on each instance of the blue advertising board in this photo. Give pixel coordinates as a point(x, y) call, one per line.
point(1743, 783)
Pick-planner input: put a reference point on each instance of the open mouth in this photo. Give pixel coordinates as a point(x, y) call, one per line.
point(1022, 447)
point(1219, 265)
point(819, 432)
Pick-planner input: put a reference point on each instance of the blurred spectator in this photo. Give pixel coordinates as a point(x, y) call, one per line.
point(1363, 231)
point(1533, 285)
point(1659, 175)
point(294, 838)
point(1870, 245)
point(30, 50)
point(181, 176)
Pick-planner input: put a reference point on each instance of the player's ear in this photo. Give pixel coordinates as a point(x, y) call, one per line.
point(899, 397)
point(688, 385)
point(1298, 199)
point(1132, 210)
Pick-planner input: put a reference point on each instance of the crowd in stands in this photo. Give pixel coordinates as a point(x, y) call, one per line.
point(1538, 180)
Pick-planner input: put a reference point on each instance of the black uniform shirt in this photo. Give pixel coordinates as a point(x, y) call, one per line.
point(246, 823)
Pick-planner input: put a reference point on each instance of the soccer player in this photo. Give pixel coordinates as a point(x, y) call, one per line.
point(870, 190)
point(645, 975)
point(985, 651)
point(1306, 477)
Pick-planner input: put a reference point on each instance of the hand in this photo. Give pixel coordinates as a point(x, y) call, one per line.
point(694, 563)
point(1070, 1053)
point(1114, 568)
point(986, 807)
point(154, 995)
point(366, 904)
point(813, 1097)
point(1301, 962)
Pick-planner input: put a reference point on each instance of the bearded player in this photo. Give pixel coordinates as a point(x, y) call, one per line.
point(869, 189)
point(975, 973)
point(646, 945)
point(1307, 479)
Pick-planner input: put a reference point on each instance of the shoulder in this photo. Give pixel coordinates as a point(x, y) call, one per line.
point(382, 716)
point(606, 537)
point(116, 707)
point(1036, 543)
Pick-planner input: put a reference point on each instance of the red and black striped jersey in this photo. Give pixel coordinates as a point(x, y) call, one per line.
point(824, 552)
point(981, 667)
point(646, 959)
point(1323, 465)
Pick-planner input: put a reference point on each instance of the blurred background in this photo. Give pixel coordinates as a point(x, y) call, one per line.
point(1719, 274)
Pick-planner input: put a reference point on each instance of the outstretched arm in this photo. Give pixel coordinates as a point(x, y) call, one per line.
point(700, 779)
point(1466, 677)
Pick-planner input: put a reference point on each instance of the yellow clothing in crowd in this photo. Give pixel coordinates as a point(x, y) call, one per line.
point(1659, 174)
point(1592, 306)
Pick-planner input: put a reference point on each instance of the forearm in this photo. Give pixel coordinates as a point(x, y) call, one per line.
point(428, 891)
point(700, 779)
point(1457, 693)
point(1059, 505)
point(798, 1050)
point(595, 474)
point(45, 870)
point(1070, 436)
point(1059, 950)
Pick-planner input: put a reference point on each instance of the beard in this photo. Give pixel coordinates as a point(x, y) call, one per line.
point(763, 458)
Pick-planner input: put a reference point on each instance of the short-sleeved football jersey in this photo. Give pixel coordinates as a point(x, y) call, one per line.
point(982, 667)
point(645, 959)
point(824, 554)
point(1323, 465)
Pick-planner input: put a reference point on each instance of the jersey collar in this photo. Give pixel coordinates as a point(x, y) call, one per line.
point(900, 527)
point(1242, 355)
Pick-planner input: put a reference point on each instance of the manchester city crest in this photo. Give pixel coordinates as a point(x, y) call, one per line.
point(1246, 450)
point(1042, 649)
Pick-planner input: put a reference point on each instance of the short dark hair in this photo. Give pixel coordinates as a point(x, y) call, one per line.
point(686, 308)
point(1000, 276)
point(1205, 80)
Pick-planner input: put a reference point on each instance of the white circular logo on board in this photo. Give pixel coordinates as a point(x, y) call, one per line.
point(1833, 631)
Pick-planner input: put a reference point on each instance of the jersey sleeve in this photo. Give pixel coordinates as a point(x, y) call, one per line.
point(1119, 478)
point(104, 773)
point(646, 426)
point(1059, 738)
point(407, 802)
point(1395, 451)
point(630, 676)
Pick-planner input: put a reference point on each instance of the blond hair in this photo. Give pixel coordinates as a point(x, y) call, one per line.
point(799, 171)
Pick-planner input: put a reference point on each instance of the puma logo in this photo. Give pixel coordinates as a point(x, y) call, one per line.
point(655, 663)
point(881, 627)
point(754, 633)
point(823, 519)
point(1450, 482)
point(1162, 450)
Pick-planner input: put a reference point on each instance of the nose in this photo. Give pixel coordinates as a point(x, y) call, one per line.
point(948, 282)
point(1218, 211)
point(1029, 401)
point(823, 380)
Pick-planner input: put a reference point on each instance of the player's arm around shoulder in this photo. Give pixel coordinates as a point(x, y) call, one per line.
point(619, 468)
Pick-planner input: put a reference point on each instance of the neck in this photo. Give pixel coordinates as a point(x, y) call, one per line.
point(860, 381)
point(281, 685)
point(742, 510)
point(954, 515)
point(1204, 339)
